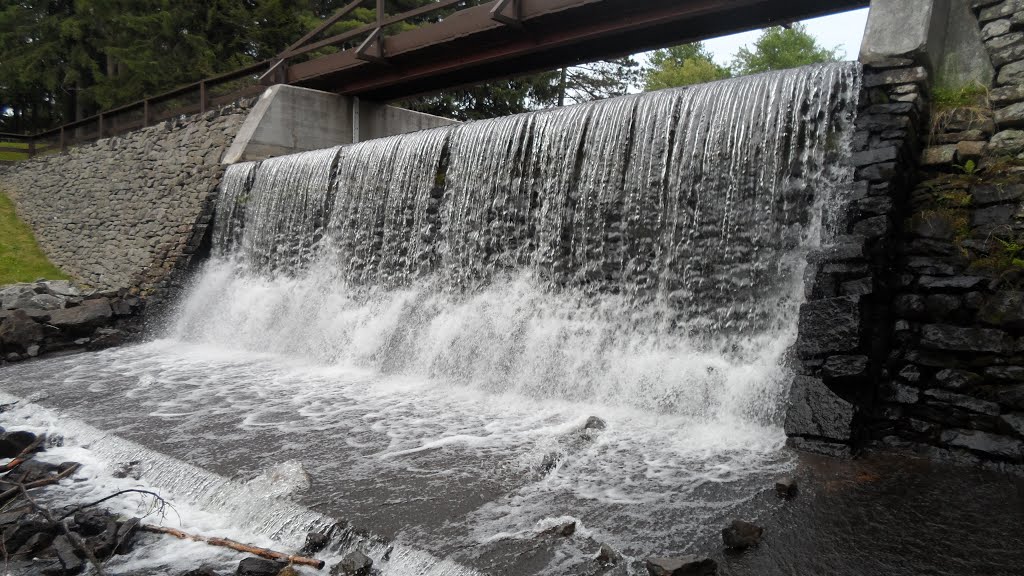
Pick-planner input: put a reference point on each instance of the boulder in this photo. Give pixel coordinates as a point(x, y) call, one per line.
point(83, 319)
point(1011, 396)
point(354, 563)
point(1012, 424)
point(1005, 309)
point(12, 443)
point(92, 522)
point(200, 572)
point(70, 563)
point(1007, 142)
point(989, 194)
point(594, 423)
point(952, 379)
point(105, 338)
point(845, 368)
point(20, 331)
point(963, 401)
point(682, 566)
point(315, 542)
point(1005, 373)
point(46, 302)
point(741, 535)
point(14, 295)
point(815, 410)
point(126, 534)
point(786, 488)
point(829, 325)
point(563, 530)
point(607, 556)
point(255, 566)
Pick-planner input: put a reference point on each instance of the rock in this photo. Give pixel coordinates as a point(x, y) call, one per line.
point(970, 150)
point(12, 443)
point(32, 351)
point(315, 542)
point(12, 295)
point(607, 556)
point(845, 368)
point(1012, 73)
point(1011, 396)
point(354, 563)
point(896, 76)
point(255, 566)
point(1005, 309)
point(995, 28)
point(968, 403)
point(563, 530)
point(786, 488)
point(817, 411)
point(1012, 424)
point(105, 338)
point(910, 373)
point(939, 155)
point(594, 423)
point(988, 444)
point(200, 572)
point(126, 534)
point(829, 325)
point(1007, 142)
point(46, 302)
point(989, 194)
point(876, 155)
point(899, 393)
point(1006, 95)
point(1005, 373)
point(131, 469)
point(83, 319)
point(61, 288)
point(92, 522)
point(105, 543)
point(682, 566)
point(69, 561)
point(952, 379)
point(955, 338)
point(36, 543)
point(741, 535)
point(954, 283)
point(288, 571)
point(20, 331)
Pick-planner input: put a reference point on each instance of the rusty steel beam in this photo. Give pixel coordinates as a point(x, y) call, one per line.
point(472, 46)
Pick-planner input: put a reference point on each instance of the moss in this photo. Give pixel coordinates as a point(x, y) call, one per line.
point(971, 95)
point(21, 260)
point(956, 199)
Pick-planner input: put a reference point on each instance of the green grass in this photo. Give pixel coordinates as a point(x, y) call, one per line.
point(21, 260)
point(971, 95)
point(12, 156)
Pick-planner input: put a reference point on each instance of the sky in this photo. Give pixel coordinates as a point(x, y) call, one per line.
point(844, 30)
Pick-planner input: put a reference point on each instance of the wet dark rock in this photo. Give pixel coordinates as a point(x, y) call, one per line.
point(1012, 424)
point(36, 543)
point(563, 530)
point(12, 443)
point(741, 535)
point(12, 517)
point(817, 411)
point(956, 338)
point(595, 423)
point(104, 338)
point(953, 283)
point(67, 556)
point(829, 325)
point(607, 556)
point(104, 543)
point(1006, 373)
point(64, 466)
point(83, 319)
point(845, 368)
point(1004, 309)
point(255, 566)
point(786, 487)
point(20, 331)
point(1011, 396)
point(315, 542)
point(15, 536)
point(952, 379)
point(354, 563)
point(126, 534)
point(899, 393)
point(909, 306)
point(988, 194)
point(91, 522)
point(968, 403)
point(128, 470)
point(682, 566)
point(989, 444)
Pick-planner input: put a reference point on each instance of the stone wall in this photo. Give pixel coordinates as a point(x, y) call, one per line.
point(127, 212)
point(913, 335)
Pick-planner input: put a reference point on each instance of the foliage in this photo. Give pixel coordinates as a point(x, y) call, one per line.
point(682, 65)
point(21, 260)
point(969, 95)
point(956, 199)
point(969, 168)
point(780, 48)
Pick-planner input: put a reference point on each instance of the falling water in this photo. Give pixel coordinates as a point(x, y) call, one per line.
point(426, 321)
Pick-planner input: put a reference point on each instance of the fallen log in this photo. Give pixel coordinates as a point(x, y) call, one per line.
point(226, 543)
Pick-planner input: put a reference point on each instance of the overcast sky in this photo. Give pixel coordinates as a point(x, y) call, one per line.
point(844, 30)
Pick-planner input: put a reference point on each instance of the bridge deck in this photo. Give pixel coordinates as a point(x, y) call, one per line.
point(471, 46)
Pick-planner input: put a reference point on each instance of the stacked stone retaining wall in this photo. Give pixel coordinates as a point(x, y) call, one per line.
point(127, 212)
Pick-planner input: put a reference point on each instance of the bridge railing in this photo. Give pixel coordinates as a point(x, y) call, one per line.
point(195, 98)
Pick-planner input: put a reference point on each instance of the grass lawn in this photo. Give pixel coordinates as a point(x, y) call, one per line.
point(14, 155)
point(21, 260)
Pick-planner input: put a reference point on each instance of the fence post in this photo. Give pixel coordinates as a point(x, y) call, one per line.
point(145, 113)
point(31, 147)
point(202, 97)
point(101, 126)
point(63, 143)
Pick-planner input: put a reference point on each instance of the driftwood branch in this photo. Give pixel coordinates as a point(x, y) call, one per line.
point(5, 496)
point(156, 498)
point(75, 539)
point(25, 454)
point(226, 543)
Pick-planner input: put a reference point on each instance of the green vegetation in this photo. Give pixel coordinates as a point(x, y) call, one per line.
point(11, 156)
point(1006, 255)
point(970, 168)
point(778, 48)
point(971, 95)
point(957, 199)
point(21, 260)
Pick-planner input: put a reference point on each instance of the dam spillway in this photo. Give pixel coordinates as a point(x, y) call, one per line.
point(426, 321)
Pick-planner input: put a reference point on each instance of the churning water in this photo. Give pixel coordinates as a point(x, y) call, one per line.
point(425, 322)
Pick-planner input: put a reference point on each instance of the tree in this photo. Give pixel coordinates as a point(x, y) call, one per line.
point(682, 65)
point(779, 48)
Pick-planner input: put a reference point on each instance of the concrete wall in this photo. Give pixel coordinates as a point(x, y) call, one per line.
point(288, 119)
point(914, 333)
point(128, 211)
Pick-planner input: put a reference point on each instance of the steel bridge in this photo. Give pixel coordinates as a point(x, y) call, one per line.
point(471, 42)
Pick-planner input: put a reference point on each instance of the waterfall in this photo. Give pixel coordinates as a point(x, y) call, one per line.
point(647, 249)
